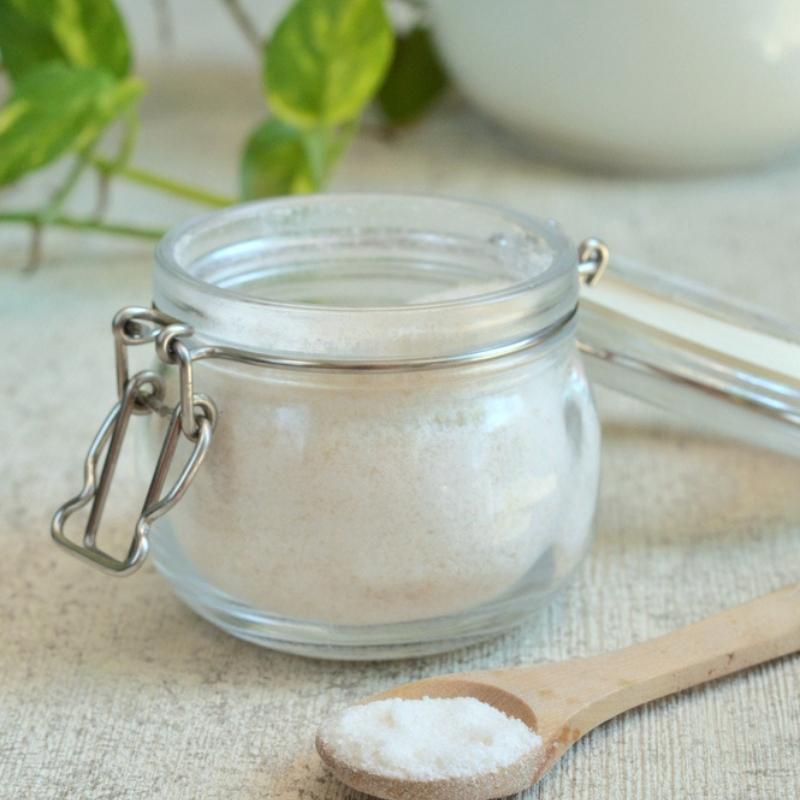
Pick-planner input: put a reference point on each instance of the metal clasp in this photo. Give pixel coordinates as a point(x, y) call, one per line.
point(194, 416)
point(593, 257)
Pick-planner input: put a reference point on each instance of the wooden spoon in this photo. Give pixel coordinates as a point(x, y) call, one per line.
point(564, 701)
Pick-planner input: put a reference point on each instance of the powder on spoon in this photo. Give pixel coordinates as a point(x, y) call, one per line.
point(427, 739)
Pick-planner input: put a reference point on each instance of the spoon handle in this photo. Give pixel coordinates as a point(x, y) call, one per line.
point(741, 637)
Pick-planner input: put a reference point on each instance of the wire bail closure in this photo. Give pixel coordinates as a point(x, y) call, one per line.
point(194, 416)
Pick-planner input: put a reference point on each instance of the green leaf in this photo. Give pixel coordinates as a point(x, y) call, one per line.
point(82, 33)
point(25, 38)
point(56, 109)
point(415, 79)
point(275, 161)
point(326, 60)
point(281, 159)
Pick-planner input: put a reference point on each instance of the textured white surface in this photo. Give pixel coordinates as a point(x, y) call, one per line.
point(112, 689)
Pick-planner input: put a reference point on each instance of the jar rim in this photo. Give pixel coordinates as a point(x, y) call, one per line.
point(550, 230)
point(534, 302)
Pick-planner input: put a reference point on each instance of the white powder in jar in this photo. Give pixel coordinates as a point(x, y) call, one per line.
point(427, 739)
point(377, 498)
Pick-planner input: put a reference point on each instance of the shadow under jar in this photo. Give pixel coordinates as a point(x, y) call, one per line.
point(417, 468)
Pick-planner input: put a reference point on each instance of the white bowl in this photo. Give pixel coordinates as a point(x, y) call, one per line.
point(637, 84)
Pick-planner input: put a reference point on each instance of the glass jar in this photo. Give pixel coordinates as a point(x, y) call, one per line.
point(390, 447)
point(411, 463)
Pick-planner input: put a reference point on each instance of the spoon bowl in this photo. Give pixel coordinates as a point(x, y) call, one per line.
point(512, 778)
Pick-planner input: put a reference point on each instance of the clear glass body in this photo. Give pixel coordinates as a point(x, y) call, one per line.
point(379, 508)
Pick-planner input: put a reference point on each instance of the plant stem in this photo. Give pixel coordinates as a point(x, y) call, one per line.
point(83, 223)
point(103, 191)
point(128, 139)
point(46, 214)
point(168, 185)
point(245, 24)
point(122, 157)
point(165, 30)
point(60, 195)
point(35, 248)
